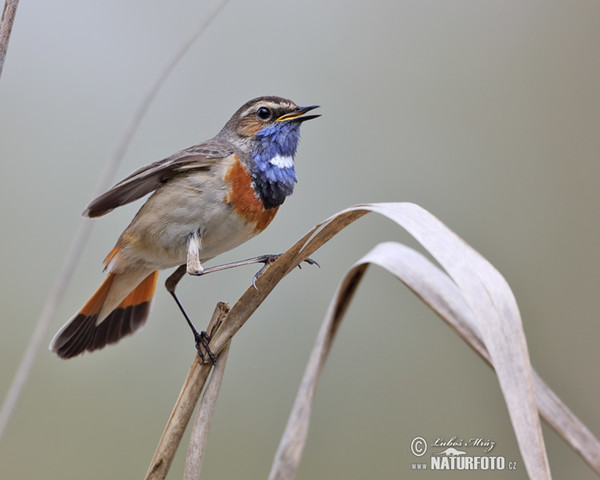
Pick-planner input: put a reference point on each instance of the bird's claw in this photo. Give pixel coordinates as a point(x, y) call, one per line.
point(270, 258)
point(310, 261)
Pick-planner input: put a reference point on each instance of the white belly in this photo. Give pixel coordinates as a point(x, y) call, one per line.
point(158, 235)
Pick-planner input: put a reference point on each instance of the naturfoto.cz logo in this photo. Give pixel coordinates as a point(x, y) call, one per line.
point(457, 453)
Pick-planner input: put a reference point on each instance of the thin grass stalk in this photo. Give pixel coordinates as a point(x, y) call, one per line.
point(6, 24)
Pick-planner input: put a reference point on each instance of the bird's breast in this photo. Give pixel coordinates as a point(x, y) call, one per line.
point(221, 205)
point(243, 199)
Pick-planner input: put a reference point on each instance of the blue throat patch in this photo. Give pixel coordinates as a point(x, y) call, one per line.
point(273, 179)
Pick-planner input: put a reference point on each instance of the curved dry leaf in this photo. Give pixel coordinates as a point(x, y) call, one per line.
point(442, 295)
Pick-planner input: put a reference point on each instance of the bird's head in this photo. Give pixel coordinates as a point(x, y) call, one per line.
point(267, 127)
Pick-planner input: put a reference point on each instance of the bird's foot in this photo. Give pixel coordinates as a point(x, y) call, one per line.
point(268, 259)
point(202, 341)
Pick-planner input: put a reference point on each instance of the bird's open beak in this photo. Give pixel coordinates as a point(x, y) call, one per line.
point(298, 115)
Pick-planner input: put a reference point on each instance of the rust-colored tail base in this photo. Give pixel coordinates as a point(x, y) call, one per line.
point(83, 333)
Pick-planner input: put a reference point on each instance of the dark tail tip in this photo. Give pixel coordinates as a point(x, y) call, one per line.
point(82, 333)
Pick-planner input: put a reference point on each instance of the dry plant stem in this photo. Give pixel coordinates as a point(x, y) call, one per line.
point(178, 421)
point(199, 437)
point(221, 334)
point(184, 407)
point(6, 24)
point(83, 232)
point(428, 231)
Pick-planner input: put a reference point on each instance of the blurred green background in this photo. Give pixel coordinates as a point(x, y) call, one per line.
point(485, 113)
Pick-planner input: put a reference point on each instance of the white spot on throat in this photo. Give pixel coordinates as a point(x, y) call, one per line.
point(282, 161)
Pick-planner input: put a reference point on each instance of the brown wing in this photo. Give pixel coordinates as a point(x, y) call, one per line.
point(149, 178)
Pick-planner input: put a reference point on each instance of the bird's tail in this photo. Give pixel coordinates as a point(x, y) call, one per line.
point(118, 308)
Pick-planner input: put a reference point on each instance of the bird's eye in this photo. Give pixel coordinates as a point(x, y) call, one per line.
point(263, 113)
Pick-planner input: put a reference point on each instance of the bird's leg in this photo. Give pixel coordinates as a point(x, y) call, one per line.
point(201, 338)
point(194, 267)
point(266, 259)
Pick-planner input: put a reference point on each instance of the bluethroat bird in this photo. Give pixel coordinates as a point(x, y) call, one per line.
point(207, 199)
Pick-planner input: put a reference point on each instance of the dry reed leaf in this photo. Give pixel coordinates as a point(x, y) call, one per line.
point(493, 305)
point(472, 285)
